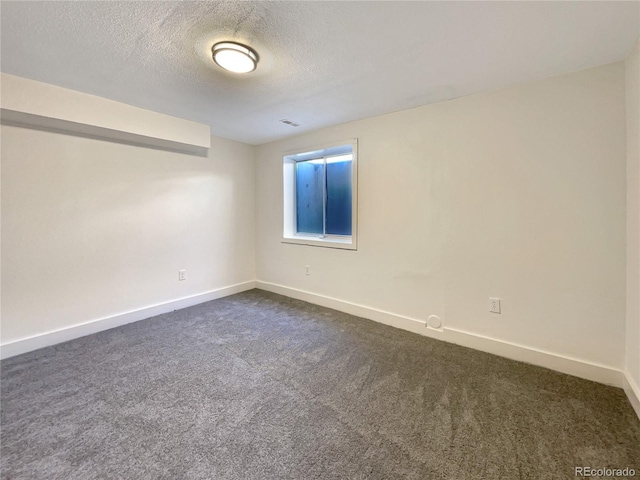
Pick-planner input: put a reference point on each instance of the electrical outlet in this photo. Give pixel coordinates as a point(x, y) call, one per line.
point(494, 304)
point(306, 270)
point(182, 275)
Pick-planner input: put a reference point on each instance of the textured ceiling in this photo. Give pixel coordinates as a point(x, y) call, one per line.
point(322, 63)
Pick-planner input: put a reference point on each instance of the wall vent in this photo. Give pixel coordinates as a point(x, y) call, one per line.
point(289, 122)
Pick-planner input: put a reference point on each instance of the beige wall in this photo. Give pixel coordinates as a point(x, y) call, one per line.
point(92, 228)
point(517, 193)
point(632, 363)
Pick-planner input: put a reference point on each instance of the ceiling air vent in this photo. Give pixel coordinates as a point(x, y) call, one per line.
point(289, 122)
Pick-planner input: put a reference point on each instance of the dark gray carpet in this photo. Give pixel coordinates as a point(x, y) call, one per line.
point(259, 386)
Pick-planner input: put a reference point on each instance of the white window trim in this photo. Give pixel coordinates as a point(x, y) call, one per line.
point(289, 229)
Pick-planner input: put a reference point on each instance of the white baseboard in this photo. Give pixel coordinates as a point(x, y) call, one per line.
point(571, 366)
point(632, 390)
point(47, 339)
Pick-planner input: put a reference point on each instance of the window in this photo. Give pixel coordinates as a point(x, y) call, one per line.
point(320, 196)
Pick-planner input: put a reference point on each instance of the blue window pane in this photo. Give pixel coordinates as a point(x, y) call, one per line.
point(309, 201)
point(339, 195)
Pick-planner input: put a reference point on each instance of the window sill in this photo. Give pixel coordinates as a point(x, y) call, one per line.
point(346, 243)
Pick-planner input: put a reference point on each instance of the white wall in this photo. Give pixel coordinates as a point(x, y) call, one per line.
point(27, 100)
point(517, 193)
point(632, 363)
point(92, 228)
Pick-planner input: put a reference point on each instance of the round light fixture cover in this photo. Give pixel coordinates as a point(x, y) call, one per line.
point(235, 57)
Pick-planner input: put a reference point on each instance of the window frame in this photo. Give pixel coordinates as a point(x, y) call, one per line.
point(289, 220)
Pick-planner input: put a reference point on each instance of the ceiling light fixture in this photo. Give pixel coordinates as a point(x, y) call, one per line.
point(235, 57)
